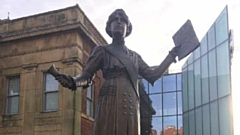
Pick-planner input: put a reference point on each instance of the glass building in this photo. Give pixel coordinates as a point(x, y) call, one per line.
point(206, 87)
point(165, 99)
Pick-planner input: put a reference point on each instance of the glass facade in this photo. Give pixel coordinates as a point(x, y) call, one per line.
point(206, 84)
point(165, 100)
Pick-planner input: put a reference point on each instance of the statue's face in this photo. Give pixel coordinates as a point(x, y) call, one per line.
point(118, 26)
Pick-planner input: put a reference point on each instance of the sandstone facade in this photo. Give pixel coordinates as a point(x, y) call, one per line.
point(28, 47)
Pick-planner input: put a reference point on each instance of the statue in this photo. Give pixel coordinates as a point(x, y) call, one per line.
point(118, 101)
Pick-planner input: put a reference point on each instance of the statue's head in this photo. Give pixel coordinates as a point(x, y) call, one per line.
point(118, 24)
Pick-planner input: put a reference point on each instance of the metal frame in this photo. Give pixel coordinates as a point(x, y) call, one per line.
point(209, 98)
point(161, 93)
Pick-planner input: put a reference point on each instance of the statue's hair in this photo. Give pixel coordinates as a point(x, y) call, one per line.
point(122, 13)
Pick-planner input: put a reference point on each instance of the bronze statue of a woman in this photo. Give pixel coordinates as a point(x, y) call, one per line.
point(118, 101)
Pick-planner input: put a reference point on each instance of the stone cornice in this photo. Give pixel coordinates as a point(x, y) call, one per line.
point(37, 32)
point(30, 66)
point(42, 50)
point(48, 30)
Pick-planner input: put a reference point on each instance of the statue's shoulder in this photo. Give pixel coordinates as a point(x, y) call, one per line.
point(100, 47)
point(106, 46)
point(133, 52)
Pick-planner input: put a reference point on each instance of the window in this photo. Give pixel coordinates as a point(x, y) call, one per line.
point(223, 69)
point(169, 83)
point(164, 105)
point(190, 87)
point(197, 83)
point(156, 100)
point(169, 103)
point(13, 88)
point(204, 79)
point(90, 99)
point(179, 81)
point(50, 93)
point(157, 88)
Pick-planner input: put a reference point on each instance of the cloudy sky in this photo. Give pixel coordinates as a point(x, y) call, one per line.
point(154, 21)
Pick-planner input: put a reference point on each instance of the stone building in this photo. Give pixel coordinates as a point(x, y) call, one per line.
point(31, 101)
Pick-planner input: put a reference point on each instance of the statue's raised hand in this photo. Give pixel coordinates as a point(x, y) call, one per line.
point(174, 52)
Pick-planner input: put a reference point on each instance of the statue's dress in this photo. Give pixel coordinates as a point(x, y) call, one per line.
point(117, 110)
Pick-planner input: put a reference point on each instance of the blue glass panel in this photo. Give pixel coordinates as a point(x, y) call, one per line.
point(223, 69)
point(179, 81)
point(199, 121)
point(204, 79)
point(190, 87)
point(206, 120)
point(169, 83)
point(179, 96)
point(191, 123)
point(212, 75)
point(214, 118)
point(170, 124)
point(222, 27)
point(157, 125)
point(156, 100)
point(197, 83)
point(169, 104)
point(225, 116)
point(157, 86)
point(211, 38)
point(185, 90)
point(203, 45)
point(180, 123)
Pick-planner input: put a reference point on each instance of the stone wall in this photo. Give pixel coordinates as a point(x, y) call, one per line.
point(28, 47)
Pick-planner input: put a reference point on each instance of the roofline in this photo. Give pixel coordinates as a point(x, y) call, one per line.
point(39, 14)
point(54, 11)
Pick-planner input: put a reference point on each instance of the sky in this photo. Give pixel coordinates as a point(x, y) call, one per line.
point(154, 22)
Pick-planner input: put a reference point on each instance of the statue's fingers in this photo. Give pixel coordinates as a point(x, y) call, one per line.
point(62, 80)
point(59, 78)
point(64, 83)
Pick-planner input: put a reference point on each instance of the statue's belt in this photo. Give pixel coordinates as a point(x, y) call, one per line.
point(124, 59)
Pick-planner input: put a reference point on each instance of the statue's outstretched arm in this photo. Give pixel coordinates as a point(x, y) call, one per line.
point(152, 74)
point(85, 79)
